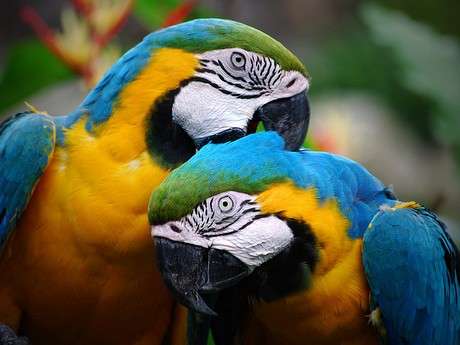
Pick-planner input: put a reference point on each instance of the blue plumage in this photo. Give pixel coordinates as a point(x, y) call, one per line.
point(413, 270)
point(412, 265)
point(216, 167)
point(26, 144)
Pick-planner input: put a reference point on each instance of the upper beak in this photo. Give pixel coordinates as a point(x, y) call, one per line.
point(190, 270)
point(289, 117)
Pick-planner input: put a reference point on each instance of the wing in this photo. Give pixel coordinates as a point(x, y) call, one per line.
point(26, 144)
point(413, 269)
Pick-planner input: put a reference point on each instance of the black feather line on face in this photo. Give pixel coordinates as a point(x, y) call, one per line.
point(273, 82)
point(264, 70)
point(228, 82)
point(221, 65)
point(224, 91)
point(270, 71)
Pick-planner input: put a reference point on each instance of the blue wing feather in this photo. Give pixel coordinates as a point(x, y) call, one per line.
point(413, 269)
point(26, 144)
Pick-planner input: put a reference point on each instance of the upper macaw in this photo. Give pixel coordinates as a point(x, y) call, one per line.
point(76, 261)
point(302, 248)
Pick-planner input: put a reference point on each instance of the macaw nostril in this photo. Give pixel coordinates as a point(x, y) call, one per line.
point(175, 228)
point(291, 83)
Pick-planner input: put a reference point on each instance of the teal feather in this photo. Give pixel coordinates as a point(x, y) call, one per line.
point(26, 144)
point(413, 269)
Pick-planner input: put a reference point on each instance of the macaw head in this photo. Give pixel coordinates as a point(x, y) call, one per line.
point(222, 217)
point(200, 81)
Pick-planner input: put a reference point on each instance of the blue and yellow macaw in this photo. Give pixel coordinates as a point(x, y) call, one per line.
point(77, 264)
point(302, 248)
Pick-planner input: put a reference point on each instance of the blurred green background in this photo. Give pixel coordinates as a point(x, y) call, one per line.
point(385, 75)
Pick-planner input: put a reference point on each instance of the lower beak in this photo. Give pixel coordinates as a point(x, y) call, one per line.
point(230, 134)
point(190, 270)
point(289, 117)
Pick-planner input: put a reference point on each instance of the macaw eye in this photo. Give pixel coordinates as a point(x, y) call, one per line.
point(238, 60)
point(226, 204)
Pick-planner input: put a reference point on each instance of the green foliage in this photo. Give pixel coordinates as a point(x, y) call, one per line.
point(29, 67)
point(430, 63)
point(309, 143)
point(353, 61)
point(210, 339)
point(442, 15)
point(152, 13)
point(406, 63)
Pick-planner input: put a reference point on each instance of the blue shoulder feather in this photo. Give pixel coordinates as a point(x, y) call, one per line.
point(26, 143)
point(413, 270)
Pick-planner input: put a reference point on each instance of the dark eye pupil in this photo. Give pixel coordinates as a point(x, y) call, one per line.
point(225, 203)
point(238, 60)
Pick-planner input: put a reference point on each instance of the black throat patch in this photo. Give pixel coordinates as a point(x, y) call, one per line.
point(168, 143)
point(288, 272)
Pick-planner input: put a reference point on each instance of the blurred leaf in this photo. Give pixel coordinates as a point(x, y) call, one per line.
point(309, 143)
point(180, 13)
point(29, 67)
point(443, 15)
point(210, 339)
point(352, 61)
point(430, 63)
point(430, 60)
point(152, 13)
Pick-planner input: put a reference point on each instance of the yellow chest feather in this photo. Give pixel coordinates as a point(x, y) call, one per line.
point(96, 198)
point(98, 184)
point(82, 258)
point(334, 308)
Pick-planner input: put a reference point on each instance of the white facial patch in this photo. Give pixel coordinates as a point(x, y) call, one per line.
point(228, 88)
point(221, 111)
point(231, 222)
point(258, 242)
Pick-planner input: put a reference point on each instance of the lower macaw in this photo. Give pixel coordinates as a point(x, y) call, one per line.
point(302, 248)
point(76, 259)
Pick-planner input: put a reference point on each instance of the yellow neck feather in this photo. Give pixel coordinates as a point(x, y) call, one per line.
point(102, 180)
point(325, 219)
point(337, 299)
point(124, 133)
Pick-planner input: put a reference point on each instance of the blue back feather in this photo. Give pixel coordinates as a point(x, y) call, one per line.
point(216, 168)
point(26, 144)
point(413, 269)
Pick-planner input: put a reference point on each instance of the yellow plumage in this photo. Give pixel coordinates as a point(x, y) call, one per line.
point(81, 261)
point(333, 307)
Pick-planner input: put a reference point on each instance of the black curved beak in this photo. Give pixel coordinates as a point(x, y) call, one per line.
point(190, 271)
point(289, 117)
